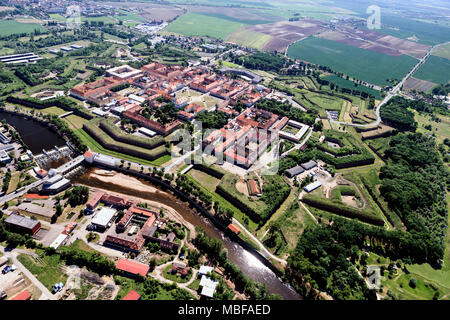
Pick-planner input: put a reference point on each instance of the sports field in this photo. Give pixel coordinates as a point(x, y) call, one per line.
point(435, 69)
point(8, 27)
point(194, 24)
point(369, 66)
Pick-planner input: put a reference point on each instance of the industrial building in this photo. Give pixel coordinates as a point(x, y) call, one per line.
point(55, 184)
point(313, 186)
point(292, 172)
point(132, 268)
point(103, 219)
point(59, 241)
point(22, 224)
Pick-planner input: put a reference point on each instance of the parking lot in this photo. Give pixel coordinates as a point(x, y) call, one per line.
point(14, 282)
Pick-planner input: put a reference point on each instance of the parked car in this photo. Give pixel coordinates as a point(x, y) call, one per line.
point(57, 287)
point(6, 270)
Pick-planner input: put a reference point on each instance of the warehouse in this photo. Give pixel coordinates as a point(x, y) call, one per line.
point(59, 241)
point(294, 171)
point(23, 224)
point(132, 268)
point(312, 186)
point(103, 218)
point(309, 165)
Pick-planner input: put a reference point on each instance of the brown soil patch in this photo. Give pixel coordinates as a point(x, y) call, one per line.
point(241, 186)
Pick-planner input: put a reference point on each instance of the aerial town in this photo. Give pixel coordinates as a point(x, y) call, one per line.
point(169, 151)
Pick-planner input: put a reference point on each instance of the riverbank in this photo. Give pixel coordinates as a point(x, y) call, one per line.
point(253, 264)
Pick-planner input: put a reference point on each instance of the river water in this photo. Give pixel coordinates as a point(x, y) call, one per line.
point(247, 262)
point(35, 135)
point(38, 137)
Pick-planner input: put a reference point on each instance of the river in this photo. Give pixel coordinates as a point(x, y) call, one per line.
point(38, 137)
point(247, 262)
point(35, 135)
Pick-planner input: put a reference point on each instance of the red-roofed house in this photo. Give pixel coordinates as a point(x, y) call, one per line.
point(132, 295)
point(24, 295)
point(132, 268)
point(94, 200)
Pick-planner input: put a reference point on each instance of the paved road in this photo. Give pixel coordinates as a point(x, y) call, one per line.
point(13, 256)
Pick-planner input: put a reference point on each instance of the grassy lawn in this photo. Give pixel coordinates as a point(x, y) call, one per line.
point(238, 214)
point(96, 147)
point(15, 178)
point(75, 122)
point(284, 206)
point(48, 271)
point(162, 292)
point(53, 110)
point(441, 129)
point(206, 180)
point(82, 245)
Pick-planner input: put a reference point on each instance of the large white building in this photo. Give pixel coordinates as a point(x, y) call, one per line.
point(103, 218)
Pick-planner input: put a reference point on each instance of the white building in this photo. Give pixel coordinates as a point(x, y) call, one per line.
point(103, 218)
point(147, 132)
point(208, 286)
point(59, 241)
point(312, 186)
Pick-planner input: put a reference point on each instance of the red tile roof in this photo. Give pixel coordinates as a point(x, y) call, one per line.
point(233, 228)
point(24, 295)
point(35, 196)
point(132, 295)
point(132, 267)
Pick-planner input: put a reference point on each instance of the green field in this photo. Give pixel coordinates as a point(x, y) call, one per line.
point(344, 83)
point(8, 27)
point(48, 270)
point(435, 69)
point(194, 24)
point(442, 51)
point(249, 38)
point(370, 66)
point(401, 27)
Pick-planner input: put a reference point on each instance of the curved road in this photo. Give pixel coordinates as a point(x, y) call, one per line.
point(394, 91)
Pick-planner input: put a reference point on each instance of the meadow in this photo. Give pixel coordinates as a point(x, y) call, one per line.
point(369, 66)
point(8, 27)
point(435, 69)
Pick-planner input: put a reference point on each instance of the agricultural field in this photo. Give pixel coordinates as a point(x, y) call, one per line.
point(369, 66)
point(419, 85)
point(250, 38)
point(194, 24)
point(8, 27)
point(442, 51)
point(425, 33)
point(435, 69)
